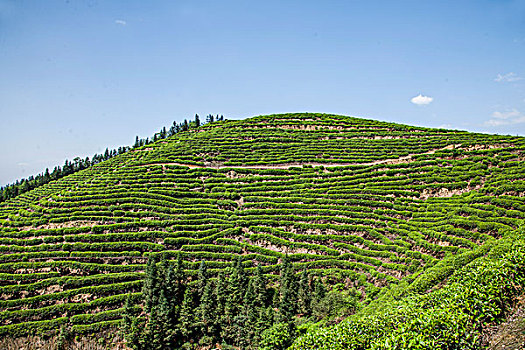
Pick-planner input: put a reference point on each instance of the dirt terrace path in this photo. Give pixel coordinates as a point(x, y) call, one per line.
point(326, 165)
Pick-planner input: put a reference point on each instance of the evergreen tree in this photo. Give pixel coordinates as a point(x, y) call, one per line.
point(153, 331)
point(207, 312)
point(130, 329)
point(288, 293)
point(249, 317)
point(173, 129)
point(197, 121)
point(202, 278)
point(187, 315)
point(304, 294)
point(264, 321)
point(319, 293)
point(166, 329)
point(220, 294)
point(259, 288)
point(236, 286)
point(162, 272)
point(47, 177)
point(170, 284)
point(151, 286)
point(179, 278)
point(319, 290)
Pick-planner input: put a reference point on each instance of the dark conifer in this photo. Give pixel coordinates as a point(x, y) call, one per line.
point(249, 316)
point(187, 318)
point(220, 294)
point(207, 311)
point(319, 292)
point(178, 278)
point(288, 292)
point(150, 288)
point(236, 286)
point(202, 278)
point(197, 121)
point(259, 287)
point(304, 294)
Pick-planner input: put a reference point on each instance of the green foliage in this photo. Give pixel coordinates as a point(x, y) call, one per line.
point(382, 208)
point(448, 318)
point(277, 337)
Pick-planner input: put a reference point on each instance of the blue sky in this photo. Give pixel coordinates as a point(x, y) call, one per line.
point(79, 76)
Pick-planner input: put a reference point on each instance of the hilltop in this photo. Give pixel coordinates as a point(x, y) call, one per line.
point(368, 206)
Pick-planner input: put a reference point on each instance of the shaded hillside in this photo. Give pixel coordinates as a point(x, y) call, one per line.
point(362, 202)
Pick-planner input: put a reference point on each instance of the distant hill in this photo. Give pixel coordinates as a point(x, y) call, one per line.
point(356, 202)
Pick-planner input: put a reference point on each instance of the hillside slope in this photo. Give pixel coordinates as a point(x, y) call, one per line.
point(367, 203)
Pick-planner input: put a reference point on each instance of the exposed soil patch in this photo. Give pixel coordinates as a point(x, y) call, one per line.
point(509, 335)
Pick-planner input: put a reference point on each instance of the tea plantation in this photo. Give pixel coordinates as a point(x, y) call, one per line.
point(386, 209)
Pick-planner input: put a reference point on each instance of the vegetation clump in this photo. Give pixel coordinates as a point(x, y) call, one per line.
point(452, 317)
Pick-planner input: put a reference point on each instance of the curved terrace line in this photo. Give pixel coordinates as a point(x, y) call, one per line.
point(326, 165)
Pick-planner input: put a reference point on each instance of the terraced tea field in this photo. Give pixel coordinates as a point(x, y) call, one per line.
point(358, 201)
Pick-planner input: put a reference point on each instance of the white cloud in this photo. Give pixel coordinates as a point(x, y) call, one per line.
point(509, 117)
point(421, 100)
point(445, 126)
point(509, 77)
point(120, 22)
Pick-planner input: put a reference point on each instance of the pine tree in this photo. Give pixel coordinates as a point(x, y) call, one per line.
point(173, 129)
point(166, 329)
point(187, 315)
point(174, 292)
point(153, 330)
point(170, 284)
point(202, 278)
point(288, 293)
point(150, 288)
point(207, 311)
point(197, 121)
point(162, 271)
point(259, 288)
point(220, 294)
point(304, 294)
point(132, 331)
point(179, 278)
point(236, 286)
point(319, 290)
point(249, 317)
point(47, 177)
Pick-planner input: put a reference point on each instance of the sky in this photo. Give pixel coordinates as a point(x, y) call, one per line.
point(79, 76)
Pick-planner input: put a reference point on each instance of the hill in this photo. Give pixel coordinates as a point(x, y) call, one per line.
point(355, 202)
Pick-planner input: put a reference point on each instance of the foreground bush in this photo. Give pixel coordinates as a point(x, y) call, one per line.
point(448, 318)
